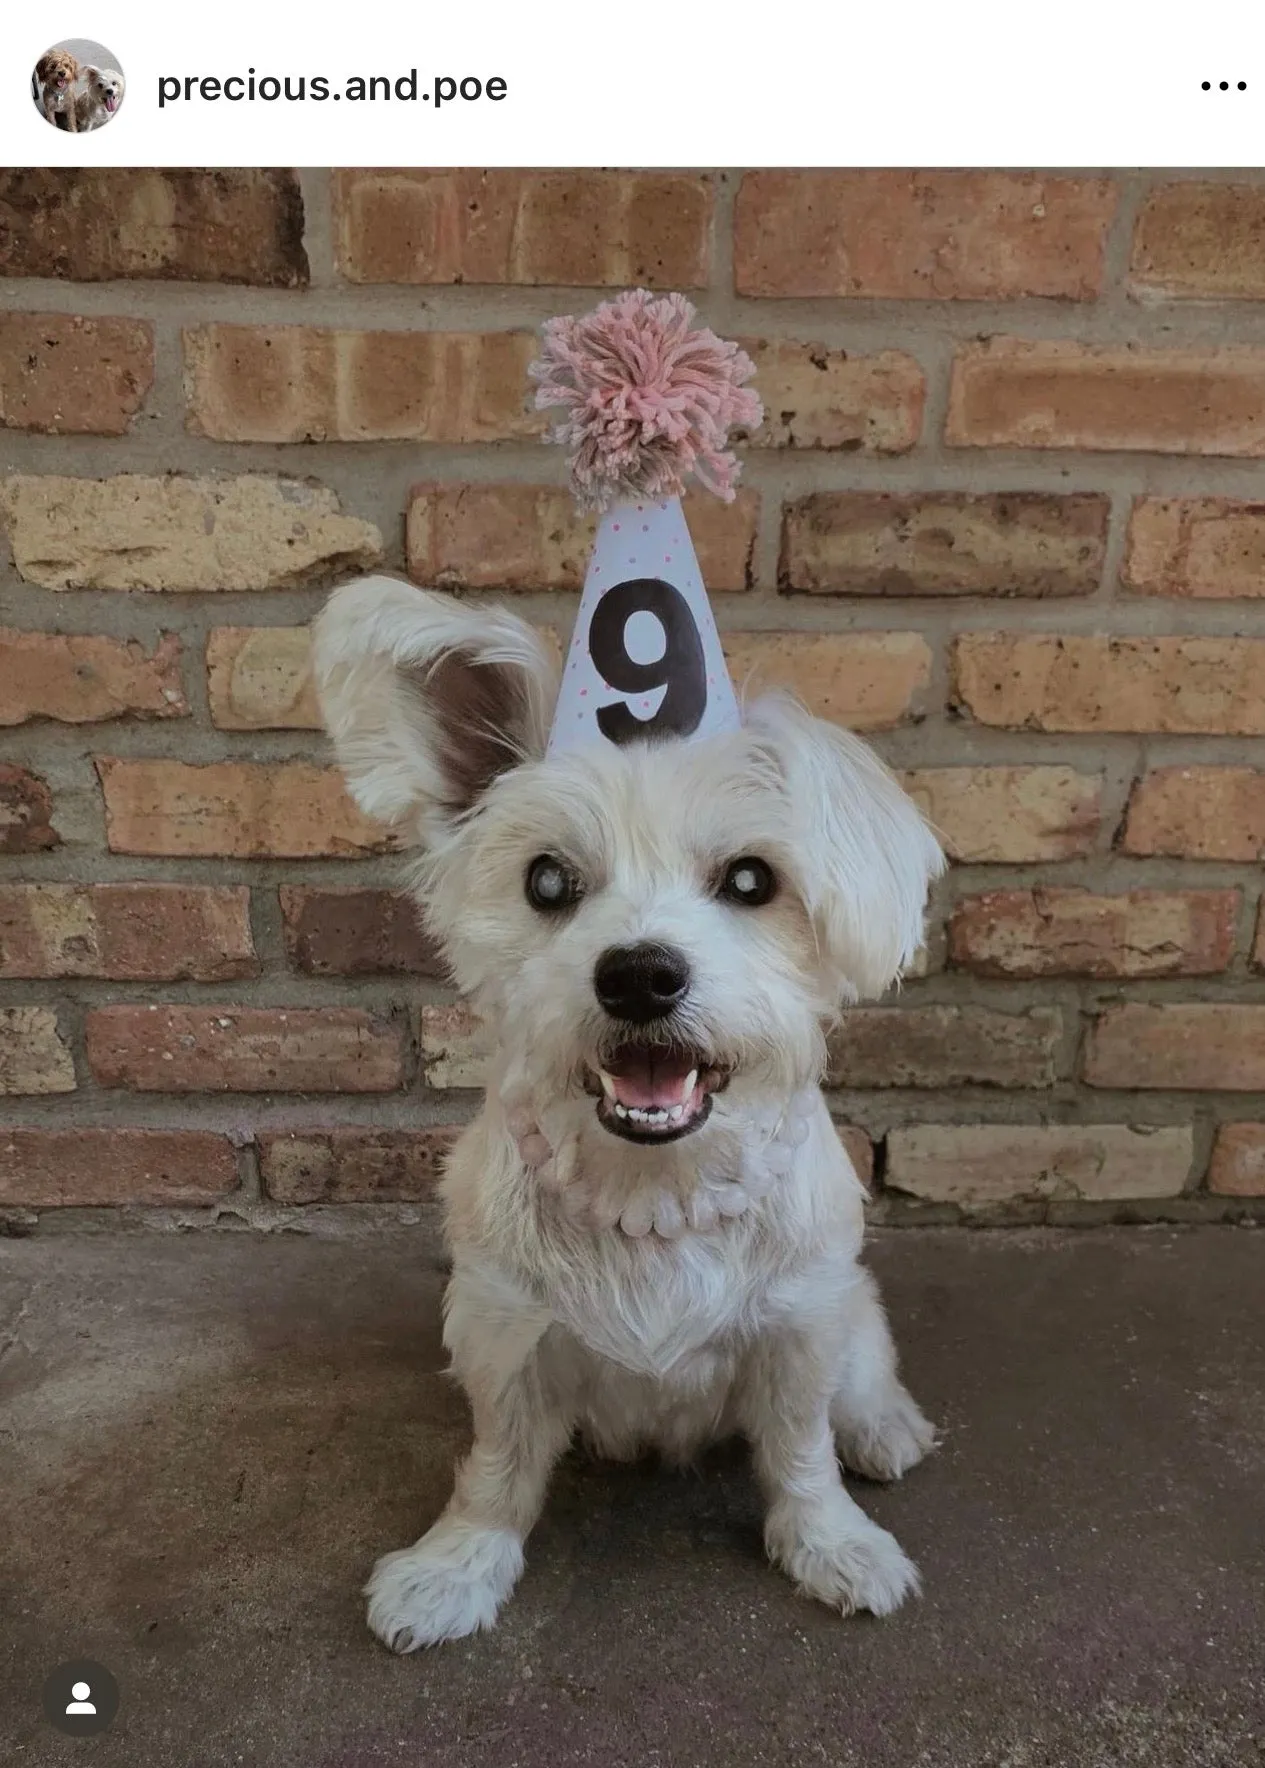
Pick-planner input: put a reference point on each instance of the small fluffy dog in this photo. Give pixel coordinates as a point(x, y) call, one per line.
point(98, 94)
point(54, 88)
point(653, 1225)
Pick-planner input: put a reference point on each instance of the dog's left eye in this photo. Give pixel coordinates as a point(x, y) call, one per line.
point(749, 882)
point(551, 885)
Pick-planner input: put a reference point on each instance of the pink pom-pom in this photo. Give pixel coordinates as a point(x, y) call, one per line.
point(649, 401)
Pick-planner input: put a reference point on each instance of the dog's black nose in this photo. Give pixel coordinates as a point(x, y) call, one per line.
point(641, 982)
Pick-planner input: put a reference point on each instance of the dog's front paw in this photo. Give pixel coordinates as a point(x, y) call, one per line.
point(888, 1445)
point(449, 1584)
point(861, 1567)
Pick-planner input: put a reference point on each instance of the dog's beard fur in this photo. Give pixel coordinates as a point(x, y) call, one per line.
point(439, 712)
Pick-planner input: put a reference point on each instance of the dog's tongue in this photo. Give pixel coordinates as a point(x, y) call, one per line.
point(649, 1078)
point(109, 102)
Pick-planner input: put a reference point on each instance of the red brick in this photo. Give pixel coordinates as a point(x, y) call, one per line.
point(67, 376)
point(353, 1165)
point(1197, 813)
point(903, 235)
point(127, 932)
point(1092, 682)
point(1017, 393)
point(566, 228)
point(244, 1049)
point(1203, 241)
point(982, 1163)
point(93, 225)
point(1050, 932)
point(860, 1151)
point(1010, 815)
point(530, 537)
point(233, 810)
point(78, 679)
point(356, 933)
point(817, 397)
point(1199, 1046)
point(1238, 1161)
point(26, 812)
point(49, 1169)
point(944, 1047)
point(299, 383)
point(942, 544)
point(456, 1046)
point(1204, 548)
point(34, 1056)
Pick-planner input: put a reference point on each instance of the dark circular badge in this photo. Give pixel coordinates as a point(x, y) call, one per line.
point(81, 1698)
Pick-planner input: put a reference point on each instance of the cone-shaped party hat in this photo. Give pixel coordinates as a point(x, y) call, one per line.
point(650, 401)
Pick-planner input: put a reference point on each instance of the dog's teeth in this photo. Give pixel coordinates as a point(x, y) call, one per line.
point(621, 1110)
point(677, 1113)
point(608, 1085)
point(691, 1081)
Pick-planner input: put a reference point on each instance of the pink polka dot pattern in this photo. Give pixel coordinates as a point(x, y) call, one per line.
point(657, 547)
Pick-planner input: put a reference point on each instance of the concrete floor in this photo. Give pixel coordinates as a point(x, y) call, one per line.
point(205, 1441)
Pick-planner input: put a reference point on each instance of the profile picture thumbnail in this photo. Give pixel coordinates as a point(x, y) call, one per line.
point(77, 85)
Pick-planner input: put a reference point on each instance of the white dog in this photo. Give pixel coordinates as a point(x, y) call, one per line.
point(98, 94)
point(654, 1228)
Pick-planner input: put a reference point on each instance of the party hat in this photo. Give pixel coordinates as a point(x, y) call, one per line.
point(650, 400)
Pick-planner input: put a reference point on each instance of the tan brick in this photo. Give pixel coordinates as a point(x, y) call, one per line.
point(51, 1169)
point(908, 236)
point(67, 376)
point(234, 810)
point(566, 228)
point(865, 680)
point(181, 534)
point(456, 1046)
point(943, 1047)
point(983, 1163)
point(78, 679)
point(127, 932)
point(1197, 813)
point(1206, 548)
point(1238, 1161)
point(353, 1165)
point(1198, 1046)
point(299, 383)
point(816, 397)
point(33, 1057)
point(530, 537)
point(244, 1049)
point(1090, 682)
point(942, 544)
point(1046, 932)
point(331, 932)
point(260, 678)
point(1205, 241)
point(26, 811)
point(92, 225)
point(1010, 815)
point(1019, 393)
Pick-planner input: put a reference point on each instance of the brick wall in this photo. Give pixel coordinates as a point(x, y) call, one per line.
point(1006, 515)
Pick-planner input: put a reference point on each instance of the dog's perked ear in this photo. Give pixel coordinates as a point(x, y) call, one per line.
point(865, 854)
point(427, 700)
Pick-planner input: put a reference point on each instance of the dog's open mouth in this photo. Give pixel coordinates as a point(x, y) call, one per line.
point(111, 101)
point(653, 1093)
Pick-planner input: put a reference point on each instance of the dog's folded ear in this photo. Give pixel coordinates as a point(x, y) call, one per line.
point(866, 857)
point(427, 700)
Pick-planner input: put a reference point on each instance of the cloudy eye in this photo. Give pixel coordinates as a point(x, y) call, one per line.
point(749, 882)
point(551, 885)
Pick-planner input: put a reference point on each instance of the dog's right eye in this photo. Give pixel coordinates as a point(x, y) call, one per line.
point(551, 885)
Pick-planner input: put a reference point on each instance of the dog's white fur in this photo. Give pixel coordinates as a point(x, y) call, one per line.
point(98, 95)
point(757, 1319)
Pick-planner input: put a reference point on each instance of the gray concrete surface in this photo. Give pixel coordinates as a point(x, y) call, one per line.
point(205, 1442)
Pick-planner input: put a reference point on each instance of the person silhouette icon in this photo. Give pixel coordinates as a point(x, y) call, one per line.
point(80, 1703)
